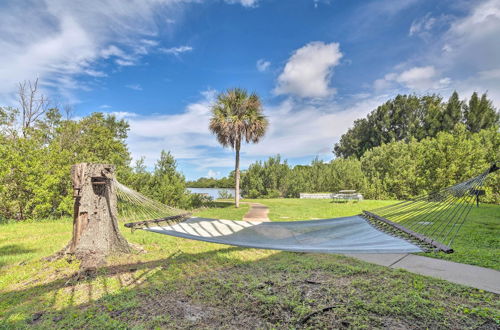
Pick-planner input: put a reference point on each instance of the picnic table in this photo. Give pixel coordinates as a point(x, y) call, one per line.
point(347, 195)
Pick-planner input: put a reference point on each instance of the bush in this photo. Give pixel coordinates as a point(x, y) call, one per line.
point(224, 194)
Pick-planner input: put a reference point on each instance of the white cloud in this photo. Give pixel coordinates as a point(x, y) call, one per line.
point(468, 52)
point(58, 42)
point(244, 3)
point(471, 50)
point(490, 74)
point(212, 174)
point(185, 134)
point(123, 114)
point(308, 71)
point(262, 65)
point(176, 50)
point(465, 57)
point(422, 25)
point(419, 79)
point(135, 87)
point(317, 2)
point(300, 130)
point(472, 42)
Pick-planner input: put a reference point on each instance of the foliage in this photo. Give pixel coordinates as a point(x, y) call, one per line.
point(397, 170)
point(409, 117)
point(268, 179)
point(226, 182)
point(410, 131)
point(34, 173)
point(167, 185)
point(275, 178)
point(225, 194)
point(480, 113)
point(419, 167)
point(36, 162)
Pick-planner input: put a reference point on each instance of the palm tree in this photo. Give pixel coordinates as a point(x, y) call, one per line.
point(237, 116)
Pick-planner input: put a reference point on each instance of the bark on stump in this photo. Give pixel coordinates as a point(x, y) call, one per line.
point(95, 225)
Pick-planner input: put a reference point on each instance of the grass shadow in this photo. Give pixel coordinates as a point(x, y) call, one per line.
point(218, 204)
point(281, 290)
point(69, 284)
point(12, 250)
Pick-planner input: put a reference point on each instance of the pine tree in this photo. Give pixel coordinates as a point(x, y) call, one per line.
point(480, 113)
point(168, 185)
point(452, 114)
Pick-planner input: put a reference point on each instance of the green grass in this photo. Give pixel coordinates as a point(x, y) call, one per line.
point(291, 209)
point(180, 283)
point(223, 210)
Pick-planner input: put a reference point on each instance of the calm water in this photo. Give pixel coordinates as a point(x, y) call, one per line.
point(212, 192)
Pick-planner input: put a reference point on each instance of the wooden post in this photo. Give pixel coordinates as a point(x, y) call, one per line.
point(95, 225)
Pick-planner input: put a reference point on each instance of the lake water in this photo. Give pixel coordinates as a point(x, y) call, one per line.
point(212, 192)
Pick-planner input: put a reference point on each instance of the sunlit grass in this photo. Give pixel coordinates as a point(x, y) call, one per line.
point(290, 209)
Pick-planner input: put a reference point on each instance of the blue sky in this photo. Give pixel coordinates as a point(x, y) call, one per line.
point(317, 65)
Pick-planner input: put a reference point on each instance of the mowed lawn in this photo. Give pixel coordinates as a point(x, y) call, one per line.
point(180, 283)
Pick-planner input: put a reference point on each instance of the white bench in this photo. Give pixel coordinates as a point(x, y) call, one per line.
point(343, 195)
point(315, 196)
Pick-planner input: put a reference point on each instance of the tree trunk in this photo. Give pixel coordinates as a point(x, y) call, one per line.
point(237, 176)
point(95, 226)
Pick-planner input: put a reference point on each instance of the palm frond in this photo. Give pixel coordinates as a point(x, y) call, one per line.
point(236, 115)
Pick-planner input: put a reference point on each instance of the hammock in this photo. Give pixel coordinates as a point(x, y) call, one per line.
point(428, 223)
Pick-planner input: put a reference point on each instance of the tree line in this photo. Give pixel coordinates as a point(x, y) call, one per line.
point(225, 182)
point(409, 117)
point(396, 170)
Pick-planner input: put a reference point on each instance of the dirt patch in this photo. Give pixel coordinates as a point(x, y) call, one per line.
point(181, 311)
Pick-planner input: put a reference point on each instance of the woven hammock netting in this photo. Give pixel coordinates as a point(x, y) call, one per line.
point(424, 224)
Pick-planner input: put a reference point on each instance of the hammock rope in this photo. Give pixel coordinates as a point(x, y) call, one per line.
point(435, 218)
point(426, 223)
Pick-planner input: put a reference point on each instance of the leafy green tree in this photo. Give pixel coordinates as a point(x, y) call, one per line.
point(431, 115)
point(357, 140)
point(34, 172)
point(420, 167)
point(167, 184)
point(226, 182)
point(237, 117)
point(275, 178)
point(409, 116)
point(269, 179)
point(452, 114)
point(480, 113)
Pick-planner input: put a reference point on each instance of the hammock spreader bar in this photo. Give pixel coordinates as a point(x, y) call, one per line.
point(419, 237)
point(146, 223)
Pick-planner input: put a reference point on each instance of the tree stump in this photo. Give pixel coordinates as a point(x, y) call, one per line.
point(95, 225)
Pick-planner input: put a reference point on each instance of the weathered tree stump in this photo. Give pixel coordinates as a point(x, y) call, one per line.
point(95, 225)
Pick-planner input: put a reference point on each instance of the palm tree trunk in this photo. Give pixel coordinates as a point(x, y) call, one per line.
point(237, 176)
